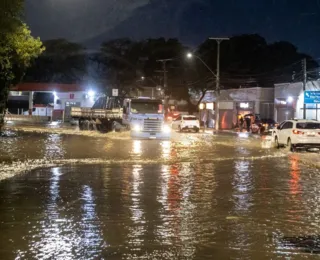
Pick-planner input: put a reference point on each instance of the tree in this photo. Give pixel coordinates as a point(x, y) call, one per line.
point(122, 62)
point(17, 49)
point(61, 62)
point(248, 60)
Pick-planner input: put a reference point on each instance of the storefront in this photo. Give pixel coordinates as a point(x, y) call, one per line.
point(234, 103)
point(245, 108)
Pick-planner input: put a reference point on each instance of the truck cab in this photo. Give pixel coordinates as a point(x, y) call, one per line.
point(145, 118)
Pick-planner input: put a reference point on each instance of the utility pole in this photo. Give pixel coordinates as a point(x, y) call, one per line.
point(218, 40)
point(304, 68)
point(165, 77)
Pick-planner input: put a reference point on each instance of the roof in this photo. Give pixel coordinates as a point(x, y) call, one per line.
point(48, 87)
point(303, 120)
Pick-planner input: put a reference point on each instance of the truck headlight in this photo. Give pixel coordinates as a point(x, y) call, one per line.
point(166, 129)
point(136, 128)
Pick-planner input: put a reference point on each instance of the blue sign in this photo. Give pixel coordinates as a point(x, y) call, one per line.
point(312, 97)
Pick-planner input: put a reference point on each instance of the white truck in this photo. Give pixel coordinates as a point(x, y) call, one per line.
point(145, 118)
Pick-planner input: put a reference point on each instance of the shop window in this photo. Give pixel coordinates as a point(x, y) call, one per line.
point(58, 102)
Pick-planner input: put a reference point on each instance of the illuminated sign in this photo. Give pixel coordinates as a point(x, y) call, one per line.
point(209, 106)
point(244, 105)
point(282, 102)
point(201, 106)
point(312, 97)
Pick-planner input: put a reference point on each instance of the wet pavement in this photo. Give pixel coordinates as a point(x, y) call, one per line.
point(198, 196)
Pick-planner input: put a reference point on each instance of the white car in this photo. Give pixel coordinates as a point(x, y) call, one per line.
point(186, 122)
point(296, 134)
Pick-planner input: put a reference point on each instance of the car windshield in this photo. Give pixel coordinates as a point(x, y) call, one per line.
point(146, 107)
point(308, 125)
point(189, 118)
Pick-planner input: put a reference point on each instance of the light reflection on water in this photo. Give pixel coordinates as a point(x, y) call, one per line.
point(193, 200)
point(59, 236)
point(53, 146)
point(136, 149)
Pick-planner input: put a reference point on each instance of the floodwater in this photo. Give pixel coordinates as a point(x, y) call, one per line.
point(197, 196)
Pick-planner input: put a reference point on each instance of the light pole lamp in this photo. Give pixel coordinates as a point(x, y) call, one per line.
point(191, 55)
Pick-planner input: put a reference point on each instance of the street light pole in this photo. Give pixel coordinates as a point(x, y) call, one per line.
point(304, 67)
point(165, 78)
point(218, 40)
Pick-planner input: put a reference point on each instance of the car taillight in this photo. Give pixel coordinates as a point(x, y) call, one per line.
point(297, 132)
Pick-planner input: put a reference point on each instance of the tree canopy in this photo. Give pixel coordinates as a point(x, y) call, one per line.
point(61, 62)
point(17, 48)
point(248, 60)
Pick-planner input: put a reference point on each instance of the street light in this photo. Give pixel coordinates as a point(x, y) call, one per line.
point(191, 55)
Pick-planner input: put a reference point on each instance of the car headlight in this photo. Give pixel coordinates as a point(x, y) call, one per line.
point(166, 129)
point(136, 128)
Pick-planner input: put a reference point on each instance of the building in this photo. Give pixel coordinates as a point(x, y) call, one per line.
point(64, 96)
point(289, 100)
point(242, 101)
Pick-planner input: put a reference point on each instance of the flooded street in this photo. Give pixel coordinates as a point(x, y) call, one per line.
point(198, 196)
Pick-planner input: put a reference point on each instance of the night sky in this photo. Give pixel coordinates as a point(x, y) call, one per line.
point(92, 21)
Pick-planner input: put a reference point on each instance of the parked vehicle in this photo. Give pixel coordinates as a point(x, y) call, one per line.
point(186, 123)
point(268, 123)
point(298, 134)
point(255, 122)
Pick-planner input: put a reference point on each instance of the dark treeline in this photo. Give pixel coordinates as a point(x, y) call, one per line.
point(246, 61)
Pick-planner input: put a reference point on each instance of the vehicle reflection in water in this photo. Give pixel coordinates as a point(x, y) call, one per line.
point(58, 236)
point(242, 184)
point(92, 243)
point(295, 198)
point(136, 149)
point(162, 231)
point(137, 230)
point(166, 148)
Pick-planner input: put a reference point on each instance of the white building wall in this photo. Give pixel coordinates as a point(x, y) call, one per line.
point(285, 91)
point(78, 97)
